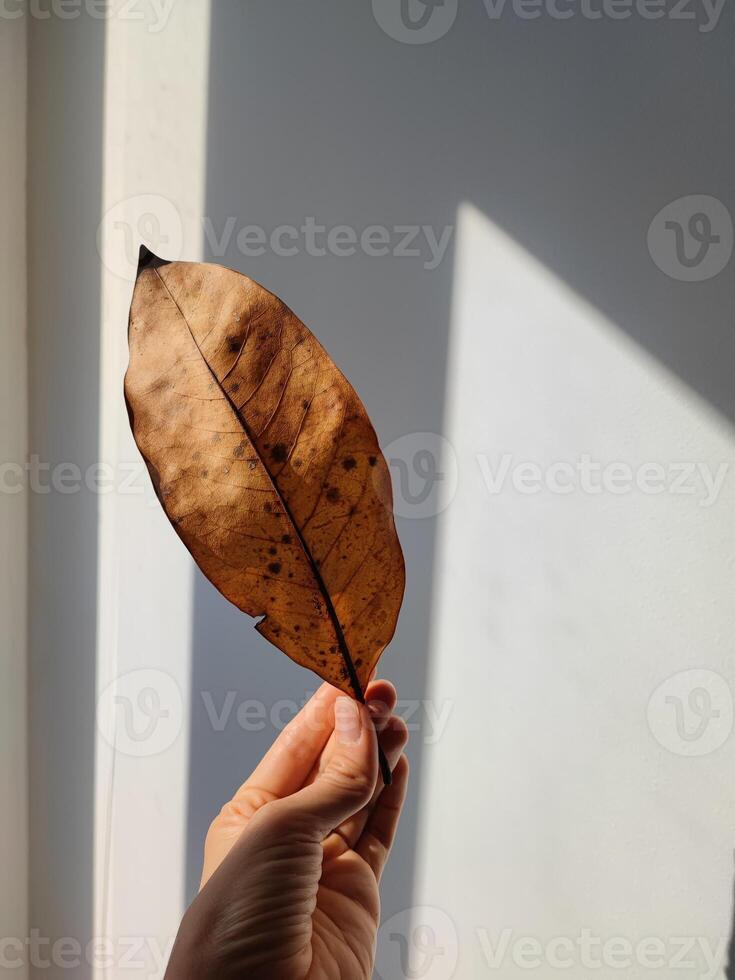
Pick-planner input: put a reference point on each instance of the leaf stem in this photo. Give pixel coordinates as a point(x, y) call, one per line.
point(384, 768)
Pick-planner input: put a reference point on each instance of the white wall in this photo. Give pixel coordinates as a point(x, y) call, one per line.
point(154, 166)
point(557, 800)
point(116, 110)
point(13, 512)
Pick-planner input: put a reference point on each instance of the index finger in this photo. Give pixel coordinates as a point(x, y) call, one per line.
point(287, 763)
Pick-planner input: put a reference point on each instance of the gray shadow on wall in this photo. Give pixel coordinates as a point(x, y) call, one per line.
point(290, 137)
point(286, 144)
point(66, 86)
point(570, 135)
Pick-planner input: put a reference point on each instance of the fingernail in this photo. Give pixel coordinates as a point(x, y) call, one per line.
point(347, 722)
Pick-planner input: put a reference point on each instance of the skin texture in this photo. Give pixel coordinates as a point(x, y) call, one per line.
point(292, 863)
point(267, 465)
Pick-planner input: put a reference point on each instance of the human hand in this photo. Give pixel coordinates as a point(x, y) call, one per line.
point(292, 864)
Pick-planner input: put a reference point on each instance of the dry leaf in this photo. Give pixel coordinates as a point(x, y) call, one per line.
point(266, 464)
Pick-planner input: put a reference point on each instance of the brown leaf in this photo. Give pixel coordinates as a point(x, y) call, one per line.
point(266, 464)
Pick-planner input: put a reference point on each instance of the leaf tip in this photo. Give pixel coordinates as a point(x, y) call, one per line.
point(148, 259)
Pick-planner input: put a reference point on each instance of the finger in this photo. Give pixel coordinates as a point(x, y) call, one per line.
point(343, 787)
point(393, 740)
point(377, 838)
point(287, 763)
point(382, 692)
point(381, 698)
point(294, 757)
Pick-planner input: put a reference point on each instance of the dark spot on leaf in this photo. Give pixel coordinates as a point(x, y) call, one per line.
point(275, 567)
point(279, 452)
point(349, 463)
point(304, 404)
point(233, 344)
point(333, 495)
point(358, 662)
point(297, 462)
point(372, 460)
point(235, 387)
point(297, 628)
point(240, 450)
point(286, 538)
point(272, 550)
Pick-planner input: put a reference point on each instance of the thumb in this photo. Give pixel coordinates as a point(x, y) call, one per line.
point(347, 783)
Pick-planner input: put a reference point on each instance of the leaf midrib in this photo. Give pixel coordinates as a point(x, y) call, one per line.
point(341, 640)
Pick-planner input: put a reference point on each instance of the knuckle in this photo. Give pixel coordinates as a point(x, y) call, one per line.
point(350, 781)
